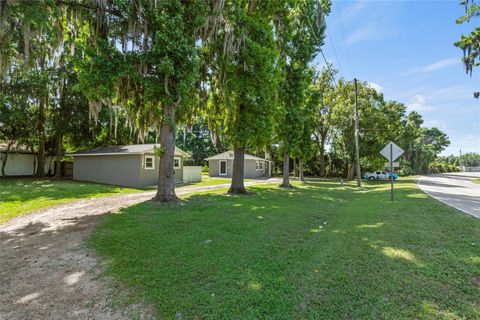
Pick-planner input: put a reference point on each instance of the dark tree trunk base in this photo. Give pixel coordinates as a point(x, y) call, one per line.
point(286, 171)
point(237, 191)
point(165, 199)
point(237, 186)
point(286, 186)
point(247, 193)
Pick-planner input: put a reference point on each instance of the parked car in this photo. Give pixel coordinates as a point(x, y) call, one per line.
point(380, 175)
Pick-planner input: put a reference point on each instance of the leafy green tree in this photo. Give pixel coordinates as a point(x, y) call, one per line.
point(197, 140)
point(31, 38)
point(300, 33)
point(322, 96)
point(245, 80)
point(372, 124)
point(15, 120)
point(470, 159)
point(144, 56)
point(470, 43)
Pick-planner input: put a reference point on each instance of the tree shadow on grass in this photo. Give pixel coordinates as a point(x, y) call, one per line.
point(290, 254)
point(31, 189)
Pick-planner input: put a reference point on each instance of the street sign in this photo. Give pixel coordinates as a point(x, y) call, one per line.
point(393, 153)
point(395, 164)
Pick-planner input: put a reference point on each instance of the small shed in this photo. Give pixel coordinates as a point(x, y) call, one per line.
point(128, 165)
point(221, 165)
point(22, 161)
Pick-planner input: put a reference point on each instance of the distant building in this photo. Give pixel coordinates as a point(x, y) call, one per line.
point(22, 161)
point(128, 165)
point(221, 165)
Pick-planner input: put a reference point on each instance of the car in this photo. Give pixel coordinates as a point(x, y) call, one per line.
point(380, 175)
point(394, 175)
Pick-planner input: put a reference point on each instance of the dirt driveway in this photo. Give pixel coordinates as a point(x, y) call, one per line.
point(47, 272)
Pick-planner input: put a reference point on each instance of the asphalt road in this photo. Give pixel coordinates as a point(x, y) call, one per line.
point(454, 189)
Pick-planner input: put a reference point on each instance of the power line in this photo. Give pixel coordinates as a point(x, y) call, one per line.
point(335, 53)
point(342, 31)
point(316, 38)
point(325, 59)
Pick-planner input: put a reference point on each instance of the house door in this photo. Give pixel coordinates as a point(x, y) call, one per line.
point(223, 167)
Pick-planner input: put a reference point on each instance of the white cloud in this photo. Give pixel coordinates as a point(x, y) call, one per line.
point(439, 124)
point(375, 86)
point(441, 64)
point(419, 103)
point(466, 143)
point(438, 65)
point(359, 35)
point(371, 20)
point(353, 10)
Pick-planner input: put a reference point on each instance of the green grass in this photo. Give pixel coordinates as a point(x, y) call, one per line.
point(476, 180)
point(21, 196)
point(208, 181)
point(318, 251)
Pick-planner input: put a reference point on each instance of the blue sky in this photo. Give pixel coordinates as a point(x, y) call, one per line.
point(405, 49)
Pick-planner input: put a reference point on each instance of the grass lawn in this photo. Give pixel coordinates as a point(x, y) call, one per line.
point(318, 251)
point(21, 196)
point(477, 180)
point(208, 181)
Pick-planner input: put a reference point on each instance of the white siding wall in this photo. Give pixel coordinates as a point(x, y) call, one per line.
point(19, 164)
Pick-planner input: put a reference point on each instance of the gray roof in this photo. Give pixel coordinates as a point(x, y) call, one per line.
point(229, 155)
point(125, 149)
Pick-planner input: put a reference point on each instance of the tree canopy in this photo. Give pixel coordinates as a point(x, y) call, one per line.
point(207, 75)
point(470, 43)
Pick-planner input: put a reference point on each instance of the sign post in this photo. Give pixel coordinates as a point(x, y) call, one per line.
point(391, 152)
point(391, 172)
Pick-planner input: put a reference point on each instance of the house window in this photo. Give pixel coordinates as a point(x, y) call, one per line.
point(222, 164)
point(177, 163)
point(259, 165)
point(149, 163)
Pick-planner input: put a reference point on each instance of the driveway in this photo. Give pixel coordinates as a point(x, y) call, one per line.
point(454, 189)
point(48, 272)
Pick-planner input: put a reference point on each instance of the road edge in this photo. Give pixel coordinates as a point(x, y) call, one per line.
point(418, 183)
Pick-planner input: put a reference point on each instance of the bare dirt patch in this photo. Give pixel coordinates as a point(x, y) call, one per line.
point(47, 272)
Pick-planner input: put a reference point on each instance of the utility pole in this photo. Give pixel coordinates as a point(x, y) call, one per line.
point(357, 133)
point(460, 159)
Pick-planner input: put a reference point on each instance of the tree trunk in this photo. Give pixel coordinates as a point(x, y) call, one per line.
point(295, 167)
point(41, 139)
point(4, 163)
point(237, 186)
point(351, 170)
point(286, 169)
point(4, 160)
point(58, 163)
point(300, 170)
point(322, 163)
point(166, 173)
point(267, 153)
point(322, 156)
